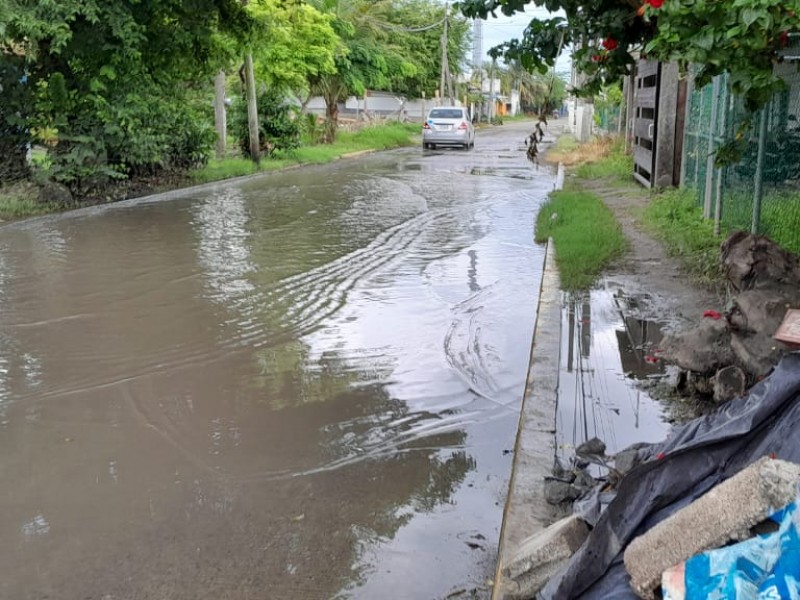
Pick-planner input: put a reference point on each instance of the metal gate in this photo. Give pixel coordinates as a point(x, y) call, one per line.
point(647, 81)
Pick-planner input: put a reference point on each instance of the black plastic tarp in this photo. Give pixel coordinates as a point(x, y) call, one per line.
point(695, 458)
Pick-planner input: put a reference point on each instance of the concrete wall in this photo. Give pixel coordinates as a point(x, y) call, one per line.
point(381, 106)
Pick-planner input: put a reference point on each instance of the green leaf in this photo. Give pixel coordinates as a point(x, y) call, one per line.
point(750, 16)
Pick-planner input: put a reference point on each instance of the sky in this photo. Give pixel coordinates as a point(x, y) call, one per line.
point(496, 31)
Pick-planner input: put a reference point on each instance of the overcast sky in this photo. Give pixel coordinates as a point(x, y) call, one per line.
point(496, 31)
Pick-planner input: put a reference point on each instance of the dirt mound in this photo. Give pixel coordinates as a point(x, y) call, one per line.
point(766, 279)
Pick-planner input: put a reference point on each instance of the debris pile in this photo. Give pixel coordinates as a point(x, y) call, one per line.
point(725, 353)
point(660, 520)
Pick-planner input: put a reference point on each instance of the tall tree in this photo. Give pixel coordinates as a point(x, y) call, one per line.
point(416, 27)
point(367, 60)
point(112, 78)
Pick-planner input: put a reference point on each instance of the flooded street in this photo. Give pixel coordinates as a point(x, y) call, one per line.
point(300, 386)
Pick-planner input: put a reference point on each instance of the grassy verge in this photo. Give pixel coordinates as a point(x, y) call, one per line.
point(377, 137)
point(585, 233)
point(674, 217)
point(600, 158)
point(21, 200)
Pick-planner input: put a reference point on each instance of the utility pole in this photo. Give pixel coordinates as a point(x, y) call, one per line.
point(220, 116)
point(444, 84)
point(491, 91)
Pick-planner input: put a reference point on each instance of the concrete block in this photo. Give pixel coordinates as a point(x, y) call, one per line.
point(726, 512)
point(540, 556)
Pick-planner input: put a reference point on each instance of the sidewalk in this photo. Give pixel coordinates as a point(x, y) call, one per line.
point(591, 365)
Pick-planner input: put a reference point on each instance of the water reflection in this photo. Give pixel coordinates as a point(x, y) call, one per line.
point(607, 351)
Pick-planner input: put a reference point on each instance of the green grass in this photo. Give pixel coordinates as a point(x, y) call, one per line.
point(565, 143)
point(617, 166)
point(377, 137)
point(780, 219)
point(224, 168)
point(585, 233)
point(780, 214)
point(674, 217)
point(21, 200)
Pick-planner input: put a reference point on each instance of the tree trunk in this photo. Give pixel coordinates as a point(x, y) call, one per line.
point(331, 118)
point(220, 113)
point(252, 108)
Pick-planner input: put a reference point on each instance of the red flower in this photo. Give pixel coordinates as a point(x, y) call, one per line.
point(712, 314)
point(651, 359)
point(610, 44)
point(598, 58)
point(655, 3)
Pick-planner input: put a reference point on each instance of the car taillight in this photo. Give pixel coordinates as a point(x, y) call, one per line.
point(463, 125)
point(426, 126)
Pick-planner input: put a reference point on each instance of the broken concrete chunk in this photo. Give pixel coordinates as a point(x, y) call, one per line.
point(729, 383)
point(757, 353)
point(702, 349)
point(592, 447)
point(629, 458)
point(761, 311)
point(722, 514)
point(558, 492)
point(540, 556)
point(754, 261)
point(562, 474)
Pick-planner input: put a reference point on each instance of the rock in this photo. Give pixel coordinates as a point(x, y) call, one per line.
point(562, 474)
point(702, 349)
point(583, 482)
point(761, 311)
point(732, 507)
point(52, 192)
point(592, 447)
point(729, 383)
point(559, 492)
point(757, 353)
point(754, 262)
point(629, 458)
point(540, 556)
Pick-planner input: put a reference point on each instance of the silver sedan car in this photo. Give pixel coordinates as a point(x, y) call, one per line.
point(448, 126)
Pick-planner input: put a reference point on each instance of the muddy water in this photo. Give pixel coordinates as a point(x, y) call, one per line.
point(299, 386)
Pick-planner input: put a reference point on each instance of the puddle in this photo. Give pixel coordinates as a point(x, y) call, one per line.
point(606, 355)
point(513, 172)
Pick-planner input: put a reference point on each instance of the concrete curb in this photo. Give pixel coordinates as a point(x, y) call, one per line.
point(526, 511)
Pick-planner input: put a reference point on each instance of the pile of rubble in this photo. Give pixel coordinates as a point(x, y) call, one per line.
point(726, 352)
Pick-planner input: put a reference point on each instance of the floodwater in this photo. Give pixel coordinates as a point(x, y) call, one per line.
point(608, 356)
point(304, 385)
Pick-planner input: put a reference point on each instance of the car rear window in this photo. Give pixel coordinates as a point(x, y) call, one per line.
point(447, 113)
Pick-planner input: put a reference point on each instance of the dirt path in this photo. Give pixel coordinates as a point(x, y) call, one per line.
point(646, 271)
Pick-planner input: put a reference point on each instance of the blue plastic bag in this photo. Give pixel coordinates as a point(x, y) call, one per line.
point(762, 568)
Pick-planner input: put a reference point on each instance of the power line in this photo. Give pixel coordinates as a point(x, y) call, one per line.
point(412, 29)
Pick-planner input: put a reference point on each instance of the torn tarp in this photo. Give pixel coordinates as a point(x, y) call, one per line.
point(698, 456)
